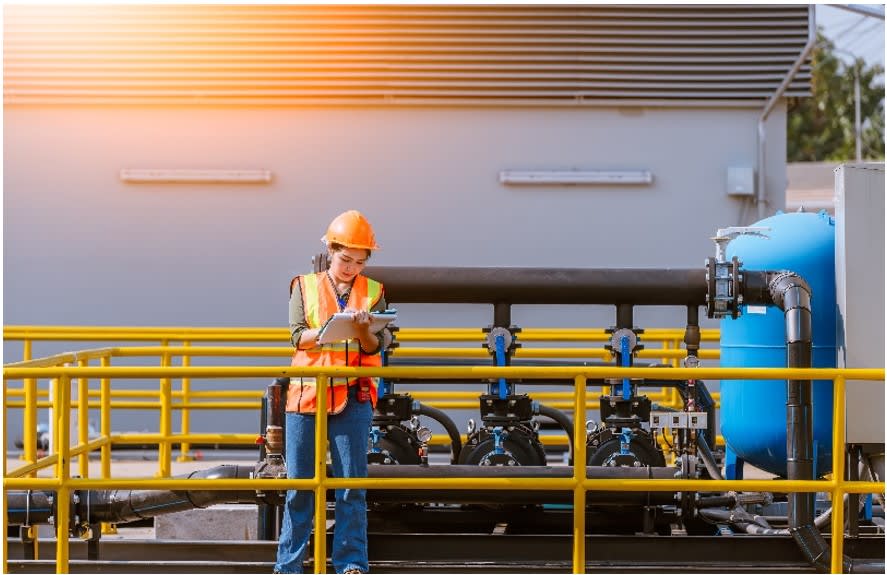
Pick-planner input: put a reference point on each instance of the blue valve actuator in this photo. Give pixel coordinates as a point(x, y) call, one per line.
point(500, 360)
point(626, 362)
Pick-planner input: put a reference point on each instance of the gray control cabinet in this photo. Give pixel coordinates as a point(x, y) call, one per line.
point(859, 270)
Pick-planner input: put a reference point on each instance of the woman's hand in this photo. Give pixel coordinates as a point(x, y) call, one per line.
point(361, 320)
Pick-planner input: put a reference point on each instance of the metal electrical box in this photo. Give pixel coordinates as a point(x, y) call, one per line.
point(859, 274)
point(740, 181)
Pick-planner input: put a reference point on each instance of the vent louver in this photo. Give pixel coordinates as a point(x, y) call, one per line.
point(366, 55)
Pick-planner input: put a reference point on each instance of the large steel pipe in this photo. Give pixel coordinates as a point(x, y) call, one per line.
point(502, 496)
point(126, 505)
point(541, 285)
point(123, 506)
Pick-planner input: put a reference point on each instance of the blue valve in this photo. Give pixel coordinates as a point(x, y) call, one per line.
point(625, 441)
point(375, 436)
point(499, 436)
point(500, 360)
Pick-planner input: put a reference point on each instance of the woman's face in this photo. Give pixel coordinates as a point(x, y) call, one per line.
point(347, 263)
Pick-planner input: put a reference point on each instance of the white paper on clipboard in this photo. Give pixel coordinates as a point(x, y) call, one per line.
point(341, 326)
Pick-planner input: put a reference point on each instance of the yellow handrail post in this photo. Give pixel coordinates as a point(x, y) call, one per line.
point(105, 430)
point(164, 452)
point(838, 474)
point(63, 472)
point(105, 419)
point(29, 422)
point(5, 526)
point(579, 457)
point(186, 411)
point(83, 418)
point(320, 476)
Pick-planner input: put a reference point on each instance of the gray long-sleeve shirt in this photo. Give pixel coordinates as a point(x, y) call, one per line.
point(298, 323)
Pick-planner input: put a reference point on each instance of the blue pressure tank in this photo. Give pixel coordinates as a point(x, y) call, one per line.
point(753, 411)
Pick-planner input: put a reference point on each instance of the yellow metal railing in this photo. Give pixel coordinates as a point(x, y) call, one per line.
point(141, 333)
point(63, 484)
point(166, 399)
point(169, 399)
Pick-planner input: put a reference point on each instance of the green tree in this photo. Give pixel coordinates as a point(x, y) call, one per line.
point(821, 128)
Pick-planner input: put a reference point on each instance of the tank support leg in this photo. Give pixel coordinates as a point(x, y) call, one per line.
point(733, 464)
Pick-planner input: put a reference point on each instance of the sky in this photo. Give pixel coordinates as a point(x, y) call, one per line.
point(853, 32)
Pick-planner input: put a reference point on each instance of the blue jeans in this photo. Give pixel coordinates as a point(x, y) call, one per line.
point(348, 437)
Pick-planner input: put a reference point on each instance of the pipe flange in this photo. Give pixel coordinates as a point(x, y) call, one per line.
point(616, 340)
point(781, 291)
point(504, 333)
point(503, 458)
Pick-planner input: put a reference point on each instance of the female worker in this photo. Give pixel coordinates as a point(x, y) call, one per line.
point(314, 299)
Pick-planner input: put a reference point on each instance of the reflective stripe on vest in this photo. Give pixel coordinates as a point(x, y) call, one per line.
point(319, 302)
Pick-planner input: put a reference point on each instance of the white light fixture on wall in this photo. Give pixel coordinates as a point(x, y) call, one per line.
point(576, 177)
point(167, 176)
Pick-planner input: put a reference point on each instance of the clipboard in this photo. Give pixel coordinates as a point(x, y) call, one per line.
point(341, 325)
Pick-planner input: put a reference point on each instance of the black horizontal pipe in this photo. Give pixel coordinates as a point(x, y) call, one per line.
point(541, 285)
point(503, 496)
point(517, 497)
point(527, 471)
point(124, 506)
point(29, 507)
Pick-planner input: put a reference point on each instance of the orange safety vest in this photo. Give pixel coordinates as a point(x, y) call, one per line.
point(319, 302)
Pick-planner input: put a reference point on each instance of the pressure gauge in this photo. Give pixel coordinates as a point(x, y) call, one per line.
point(423, 434)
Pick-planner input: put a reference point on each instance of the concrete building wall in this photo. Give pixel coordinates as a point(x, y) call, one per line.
point(83, 247)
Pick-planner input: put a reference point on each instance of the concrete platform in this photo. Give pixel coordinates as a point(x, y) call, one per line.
point(217, 523)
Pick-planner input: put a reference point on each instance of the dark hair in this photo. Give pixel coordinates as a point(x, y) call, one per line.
point(337, 247)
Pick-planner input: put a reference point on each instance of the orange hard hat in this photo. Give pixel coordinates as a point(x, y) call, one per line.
point(352, 230)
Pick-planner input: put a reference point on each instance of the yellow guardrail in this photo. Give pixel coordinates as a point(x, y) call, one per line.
point(142, 333)
point(168, 399)
point(63, 484)
point(181, 400)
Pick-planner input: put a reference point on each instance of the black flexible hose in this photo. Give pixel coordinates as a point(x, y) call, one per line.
point(561, 418)
point(708, 457)
point(439, 416)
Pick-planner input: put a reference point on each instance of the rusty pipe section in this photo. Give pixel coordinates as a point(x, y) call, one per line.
point(275, 395)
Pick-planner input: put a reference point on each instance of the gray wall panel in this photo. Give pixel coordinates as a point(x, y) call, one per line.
point(859, 263)
point(84, 247)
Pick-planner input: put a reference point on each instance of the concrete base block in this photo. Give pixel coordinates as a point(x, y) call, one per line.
point(219, 522)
